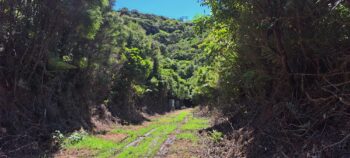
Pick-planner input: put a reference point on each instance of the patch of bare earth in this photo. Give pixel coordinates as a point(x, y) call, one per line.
point(113, 137)
point(184, 149)
point(75, 153)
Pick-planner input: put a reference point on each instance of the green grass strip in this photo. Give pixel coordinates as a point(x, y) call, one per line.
point(148, 147)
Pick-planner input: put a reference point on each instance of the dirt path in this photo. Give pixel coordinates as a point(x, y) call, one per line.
point(158, 138)
point(139, 139)
point(185, 141)
point(164, 149)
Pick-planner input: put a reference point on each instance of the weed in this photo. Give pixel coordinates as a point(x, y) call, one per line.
point(58, 137)
point(75, 137)
point(216, 136)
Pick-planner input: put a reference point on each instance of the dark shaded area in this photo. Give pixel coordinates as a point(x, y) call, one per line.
point(26, 124)
point(254, 133)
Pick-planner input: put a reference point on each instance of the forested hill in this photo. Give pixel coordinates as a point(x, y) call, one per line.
point(178, 61)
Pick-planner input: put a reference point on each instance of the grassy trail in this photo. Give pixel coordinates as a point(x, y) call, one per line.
point(157, 138)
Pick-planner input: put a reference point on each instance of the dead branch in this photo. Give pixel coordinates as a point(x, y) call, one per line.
point(337, 143)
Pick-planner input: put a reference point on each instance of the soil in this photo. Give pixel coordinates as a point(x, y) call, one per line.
point(75, 153)
point(184, 149)
point(164, 149)
point(113, 137)
point(138, 140)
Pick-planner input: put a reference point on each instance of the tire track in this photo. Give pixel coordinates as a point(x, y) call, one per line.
point(139, 139)
point(165, 148)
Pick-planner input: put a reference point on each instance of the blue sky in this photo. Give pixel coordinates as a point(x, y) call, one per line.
point(169, 8)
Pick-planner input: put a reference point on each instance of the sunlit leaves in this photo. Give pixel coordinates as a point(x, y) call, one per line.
point(94, 21)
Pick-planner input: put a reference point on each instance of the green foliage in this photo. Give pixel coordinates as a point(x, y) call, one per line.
point(137, 66)
point(140, 89)
point(105, 3)
point(216, 136)
point(204, 81)
point(75, 138)
point(202, 23)
point(83, 63)
point(94, 20)
point(260, 47)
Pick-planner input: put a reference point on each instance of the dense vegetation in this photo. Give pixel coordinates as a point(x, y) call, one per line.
point(275, 68)
point(286, 74)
